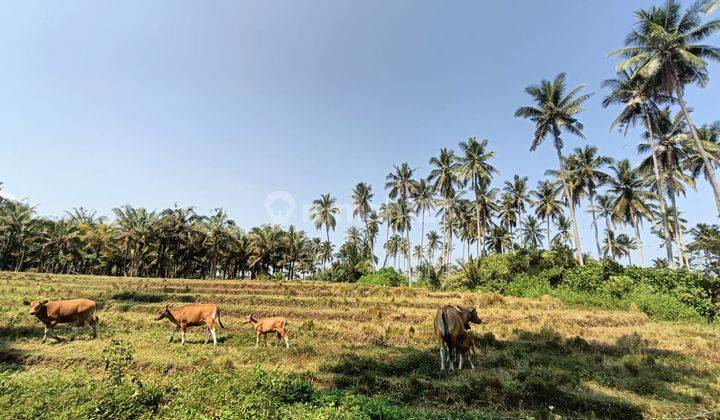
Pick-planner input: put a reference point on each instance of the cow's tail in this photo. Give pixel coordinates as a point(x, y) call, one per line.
point(217, 315)
point(96, 318)
point(445, 335)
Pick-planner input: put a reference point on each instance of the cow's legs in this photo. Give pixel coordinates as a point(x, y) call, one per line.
point(257, 340)
point(442, 357)
point(45, 335)
point(287, 343)
point(461, 360)
point(212, 331)
point(93, 324)
point(182, 334)
point(207, 340)
point(173, 334)
point(471, 363)
point(266, 342)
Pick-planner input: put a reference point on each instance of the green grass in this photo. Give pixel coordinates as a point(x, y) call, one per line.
point(357, 351)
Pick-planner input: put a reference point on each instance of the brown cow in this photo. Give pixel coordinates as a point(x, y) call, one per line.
point(192, 316)
point(51, 313)
point(451, 322)
point(265, 326)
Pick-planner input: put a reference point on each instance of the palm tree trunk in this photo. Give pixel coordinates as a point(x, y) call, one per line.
point(594, 222)
point(409, 261)
point(547, 221)
point(708, 166)
point(422, 231)
point(678, 229)
point(660, 181)
point(636, 227)
point(571, 208)
point(477, 218)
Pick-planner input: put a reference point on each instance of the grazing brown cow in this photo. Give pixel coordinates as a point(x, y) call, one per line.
point(51, 313)
point(192, 316)
point(451, 322)
point(265, 326)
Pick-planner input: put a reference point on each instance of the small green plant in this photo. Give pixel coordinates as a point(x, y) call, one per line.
point(118, 359)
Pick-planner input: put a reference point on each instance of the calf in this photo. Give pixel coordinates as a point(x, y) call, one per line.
point(465, 346)
point(51, 313)
point(192, 316)
point(265, 326)
point(450, 323)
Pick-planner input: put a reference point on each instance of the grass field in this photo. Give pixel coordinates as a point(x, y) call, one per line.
point(356, 351)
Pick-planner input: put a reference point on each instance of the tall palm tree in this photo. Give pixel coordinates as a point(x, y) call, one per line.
point(362, 197)
point(564, 234)
point(610, 246)
point(516, 193)
point(547, 205)
point(666, 45)
point(475, 169)
point(487, 207)
point(671, 149)
point(631, 199)
point(500, 239)
point(323, 212)
point(587, 164)
point(532, 233)
point(400, 182)
point(555, 112)
point(639, 97)
point(449, 208)
point(423, 201)
point(433, 244)
point(625, 245)
point(444, 177)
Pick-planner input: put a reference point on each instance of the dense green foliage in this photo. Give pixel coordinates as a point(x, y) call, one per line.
point(661, 293)
point(384, 277)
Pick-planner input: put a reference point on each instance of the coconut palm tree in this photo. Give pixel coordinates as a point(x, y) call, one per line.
point(671, 149)
point(517, 196)
point(444, 171)
point(666, 45)
point(556, 112)
point(323, 212)
point(532, 233)
point(631, 199)
point(475, 169)
point(449, 208)
point(423, 201)
point(353, 235)
point(547, 205)
point(639, 96)
point(586, 164)
point(499, 240)
point(564, 234)
point(362, 196)
point(710, 139)
point(625, 245)
point(610, 246)
point(433, 244)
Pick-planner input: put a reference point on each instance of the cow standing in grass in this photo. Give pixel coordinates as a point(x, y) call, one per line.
point(192, 316)
point(265, 326)
point(451, 324)
point(54, 312)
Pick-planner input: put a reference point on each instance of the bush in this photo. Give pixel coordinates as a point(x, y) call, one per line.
point(661, 305)
point(384, 277)
point(617, 286)
point(528, 286)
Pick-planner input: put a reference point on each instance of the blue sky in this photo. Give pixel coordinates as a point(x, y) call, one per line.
point(219, 104)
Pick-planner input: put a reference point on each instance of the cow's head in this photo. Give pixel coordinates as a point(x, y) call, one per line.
point(470, 315)
point(251, 319)
point(164, 313)
point(36, 306)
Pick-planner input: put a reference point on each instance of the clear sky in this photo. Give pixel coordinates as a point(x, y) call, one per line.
point(219, 104)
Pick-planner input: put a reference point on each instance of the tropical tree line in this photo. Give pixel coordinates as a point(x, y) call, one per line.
point(664, 53)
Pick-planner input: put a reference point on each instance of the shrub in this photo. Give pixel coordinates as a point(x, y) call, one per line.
point(617, 286)
point(661, 305)
point(524, 285)
point(384, 277)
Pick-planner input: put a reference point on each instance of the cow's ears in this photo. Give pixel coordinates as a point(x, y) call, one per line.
point(43, 302)
point(26, 302)
point(167, 307)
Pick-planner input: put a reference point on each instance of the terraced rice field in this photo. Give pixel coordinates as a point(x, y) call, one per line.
point(535, 357)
